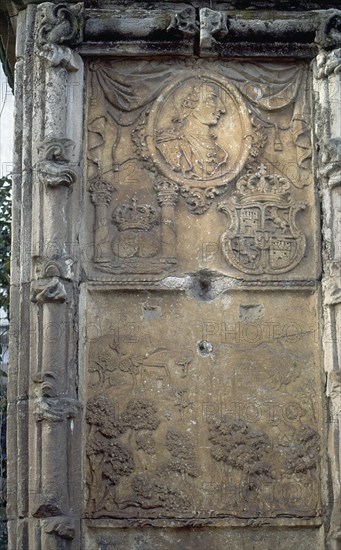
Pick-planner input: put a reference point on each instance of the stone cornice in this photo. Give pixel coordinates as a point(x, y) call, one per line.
point(286, 29)
point(206, 32)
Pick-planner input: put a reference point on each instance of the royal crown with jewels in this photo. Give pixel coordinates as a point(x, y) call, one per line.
point(134, 216)
point(262, 187)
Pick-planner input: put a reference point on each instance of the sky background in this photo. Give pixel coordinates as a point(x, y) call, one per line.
point(6, 163)
point(6, 125)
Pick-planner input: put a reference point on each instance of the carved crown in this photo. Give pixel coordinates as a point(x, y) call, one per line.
point(135, 216)
point(261, 186)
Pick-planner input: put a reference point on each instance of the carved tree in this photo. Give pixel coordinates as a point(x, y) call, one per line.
point(109, 459)
point(140, 414)
point(102, 417)
point(169, 489)
point(302, 455)
point(131, 365)
point(182, 459)
point(243, 447)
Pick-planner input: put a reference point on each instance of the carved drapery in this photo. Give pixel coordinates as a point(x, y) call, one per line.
point(121, 95)
point(139, 236)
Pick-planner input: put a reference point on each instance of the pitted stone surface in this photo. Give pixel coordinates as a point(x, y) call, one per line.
point(175, 349)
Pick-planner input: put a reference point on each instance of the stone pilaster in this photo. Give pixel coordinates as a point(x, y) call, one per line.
point(51, 144)
point(328, 130)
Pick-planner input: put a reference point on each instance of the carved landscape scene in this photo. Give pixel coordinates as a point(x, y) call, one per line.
point(195, 412)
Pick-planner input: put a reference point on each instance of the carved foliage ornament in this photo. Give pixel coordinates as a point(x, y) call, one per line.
point(331, 161)
point(54, 168)
point(213, 24)
point(44, 291)
point(184, 22)
point(262, 236)
point(328, 63)
point(329, 33)
point(61, 24)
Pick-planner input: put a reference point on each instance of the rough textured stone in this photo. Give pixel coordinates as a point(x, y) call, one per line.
point(175, 376)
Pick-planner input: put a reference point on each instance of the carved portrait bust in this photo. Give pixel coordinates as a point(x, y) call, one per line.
point(199, 131)
point(190, 146)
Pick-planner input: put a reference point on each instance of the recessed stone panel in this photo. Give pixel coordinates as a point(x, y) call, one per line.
point(193, 167)
point(202, 411)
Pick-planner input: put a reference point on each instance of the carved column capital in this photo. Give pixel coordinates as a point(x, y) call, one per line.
point(332, 285)
point(167, 192)
point(62, 526)
point(50, 291)
point(101, 192)
point(53, 409)
point(60, 28)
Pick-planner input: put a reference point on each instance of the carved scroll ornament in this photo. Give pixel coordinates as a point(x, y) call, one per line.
point(54, 167)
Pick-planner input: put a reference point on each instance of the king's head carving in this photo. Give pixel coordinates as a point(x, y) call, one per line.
point(134, 216)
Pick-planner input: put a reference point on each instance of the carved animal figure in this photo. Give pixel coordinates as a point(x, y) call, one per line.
point(277, 219)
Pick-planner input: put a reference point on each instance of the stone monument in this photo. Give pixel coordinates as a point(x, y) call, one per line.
point(176, 320)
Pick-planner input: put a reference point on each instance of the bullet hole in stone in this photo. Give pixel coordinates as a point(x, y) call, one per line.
point(205, 347)
point(205, 285)
point(201, 287)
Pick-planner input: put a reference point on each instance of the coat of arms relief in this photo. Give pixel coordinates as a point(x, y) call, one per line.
point(190, 135)
point(262, 236)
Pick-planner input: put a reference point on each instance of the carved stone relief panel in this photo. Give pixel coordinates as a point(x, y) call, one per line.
point(233, 147)
point(202, 412)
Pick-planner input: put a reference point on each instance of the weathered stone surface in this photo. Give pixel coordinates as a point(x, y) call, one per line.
point(202, 412)
point(240, 131)
point(175, 377)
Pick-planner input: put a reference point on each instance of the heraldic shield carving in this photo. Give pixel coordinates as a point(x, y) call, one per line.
point(262, 236)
